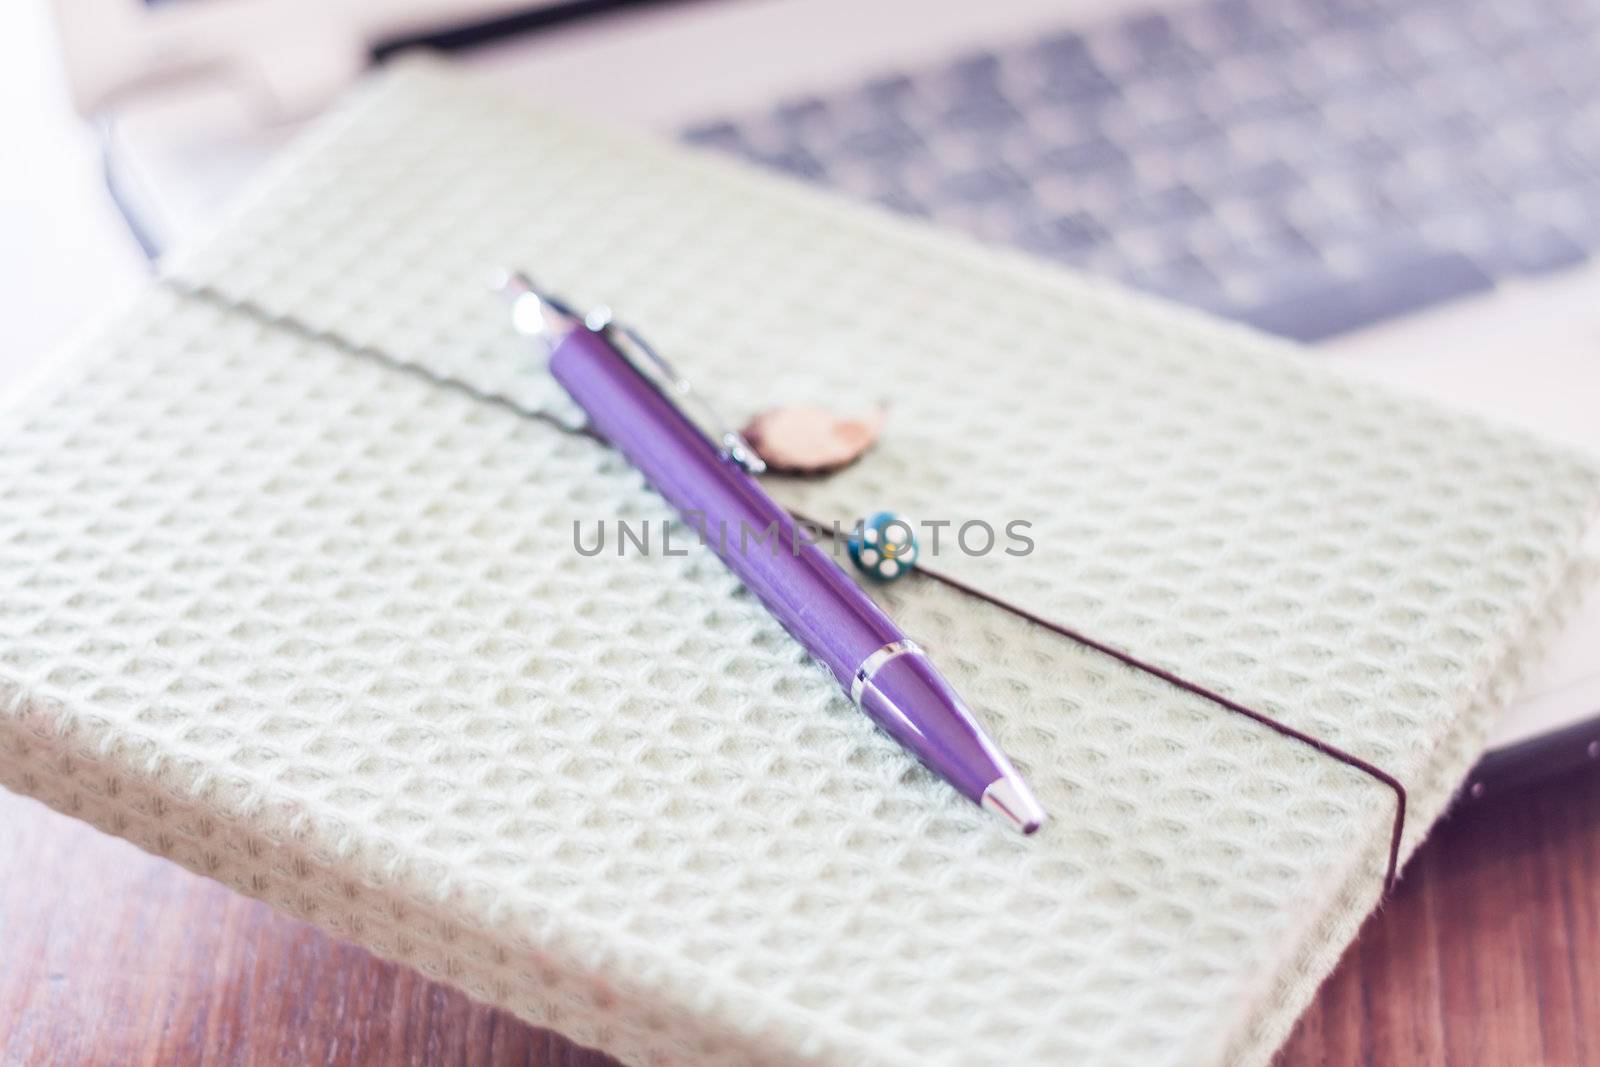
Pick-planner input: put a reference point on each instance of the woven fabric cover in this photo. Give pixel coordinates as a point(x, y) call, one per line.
point(318, 630)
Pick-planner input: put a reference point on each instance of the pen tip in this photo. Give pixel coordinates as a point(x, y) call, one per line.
point(1010, 798)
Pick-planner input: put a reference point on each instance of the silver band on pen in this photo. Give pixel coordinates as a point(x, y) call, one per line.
point(872, 663)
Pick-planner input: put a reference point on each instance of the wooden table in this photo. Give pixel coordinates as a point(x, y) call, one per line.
point(1489, 954)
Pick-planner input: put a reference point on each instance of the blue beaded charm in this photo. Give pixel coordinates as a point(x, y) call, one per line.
point(884, 547)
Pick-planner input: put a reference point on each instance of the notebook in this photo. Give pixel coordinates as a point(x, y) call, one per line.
point(317, 628)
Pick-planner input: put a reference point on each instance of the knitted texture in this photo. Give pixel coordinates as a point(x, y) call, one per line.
point(319, 630)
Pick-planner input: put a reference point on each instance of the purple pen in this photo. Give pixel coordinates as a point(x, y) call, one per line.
point(637, 402)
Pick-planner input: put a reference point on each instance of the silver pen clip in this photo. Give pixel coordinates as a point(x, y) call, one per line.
point(644, 358)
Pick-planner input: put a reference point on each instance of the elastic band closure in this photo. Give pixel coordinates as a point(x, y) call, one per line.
point(1391, 875)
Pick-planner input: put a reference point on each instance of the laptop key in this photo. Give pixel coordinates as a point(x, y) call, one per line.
point(1065, 236)
point(1312, 307)
point(1070, 71)
point(1096, 153)
point(1532, 250)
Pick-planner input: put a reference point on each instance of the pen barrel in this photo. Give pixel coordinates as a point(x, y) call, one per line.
point(799, 583)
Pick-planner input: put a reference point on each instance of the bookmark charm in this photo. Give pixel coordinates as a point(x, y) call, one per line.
point(884, 547)
point(811, 440)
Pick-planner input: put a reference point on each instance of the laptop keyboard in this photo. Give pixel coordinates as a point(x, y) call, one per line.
point(1307, 166)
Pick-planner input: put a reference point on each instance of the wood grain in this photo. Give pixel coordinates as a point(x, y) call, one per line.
point(1489, 954)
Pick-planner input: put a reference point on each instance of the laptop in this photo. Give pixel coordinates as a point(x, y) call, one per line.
point(1412, 187)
